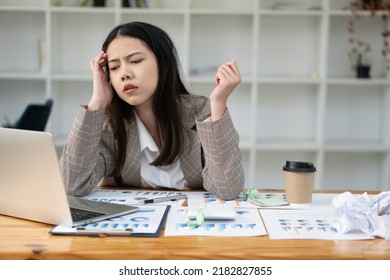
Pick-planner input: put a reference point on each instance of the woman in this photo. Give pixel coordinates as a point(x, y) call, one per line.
point(142, 128)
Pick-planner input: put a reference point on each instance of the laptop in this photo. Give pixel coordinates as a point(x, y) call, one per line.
point(31, 185)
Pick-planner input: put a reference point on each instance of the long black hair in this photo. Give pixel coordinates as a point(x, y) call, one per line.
point(166, 107)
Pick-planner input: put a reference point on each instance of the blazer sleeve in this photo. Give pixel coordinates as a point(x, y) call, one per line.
point(85, 160)
point(223, 173)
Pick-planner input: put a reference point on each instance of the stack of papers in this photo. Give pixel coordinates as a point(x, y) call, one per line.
point(259, 214)
point(147, 221)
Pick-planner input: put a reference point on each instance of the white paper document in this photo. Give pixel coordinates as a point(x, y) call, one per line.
point(320, 220)
point(147, 221)
point(247, 223)
point(305, 224)
point(203, 198)
point(316, 222)
point(132, 197)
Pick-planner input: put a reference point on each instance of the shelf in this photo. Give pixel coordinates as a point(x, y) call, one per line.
point(338, 61)
point(269, 167)
point(359, 82)
point(222, 6)
point(21, 75)
point(356, 146)
point(287, 145)
point(27, 5)
point(81, 76)
point(32, 25)
point(348, 13)
point(286, 112)
point(78, 4)
point(149, 12)
point(355, 112)
point(27, 9)
point(69, 57)
point(353, 171)
point(298, 59)
point(289, 80)
point(82, 10)
point(291, 5)
point(303, 13)
point(202, 56)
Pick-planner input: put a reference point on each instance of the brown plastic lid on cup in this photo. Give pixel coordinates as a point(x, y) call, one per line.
point(299, 167)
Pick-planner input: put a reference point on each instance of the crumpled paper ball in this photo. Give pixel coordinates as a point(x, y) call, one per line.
point(368, 214)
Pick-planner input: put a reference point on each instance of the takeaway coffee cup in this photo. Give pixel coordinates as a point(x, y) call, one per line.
point(298, 181)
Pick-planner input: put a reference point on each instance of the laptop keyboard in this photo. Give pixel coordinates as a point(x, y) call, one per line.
point(80, 214)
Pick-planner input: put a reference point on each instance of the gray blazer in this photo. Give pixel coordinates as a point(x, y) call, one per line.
point(211, 157)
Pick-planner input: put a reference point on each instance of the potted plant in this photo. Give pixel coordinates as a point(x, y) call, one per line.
point(360, 49)
point(95, 3)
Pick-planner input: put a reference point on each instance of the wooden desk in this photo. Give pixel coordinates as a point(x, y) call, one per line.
point(21, 239)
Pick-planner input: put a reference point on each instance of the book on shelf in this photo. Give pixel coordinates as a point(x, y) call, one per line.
point(42, 54)
point(139, 4)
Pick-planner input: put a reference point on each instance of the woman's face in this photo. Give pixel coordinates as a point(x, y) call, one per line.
point(133, 71)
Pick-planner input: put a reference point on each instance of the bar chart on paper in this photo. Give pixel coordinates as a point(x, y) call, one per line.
point(304, 224)
point(247, 223)
point(204, 198)
point(131, 196)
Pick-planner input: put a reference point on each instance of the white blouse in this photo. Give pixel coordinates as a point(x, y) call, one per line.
point(170, 176)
